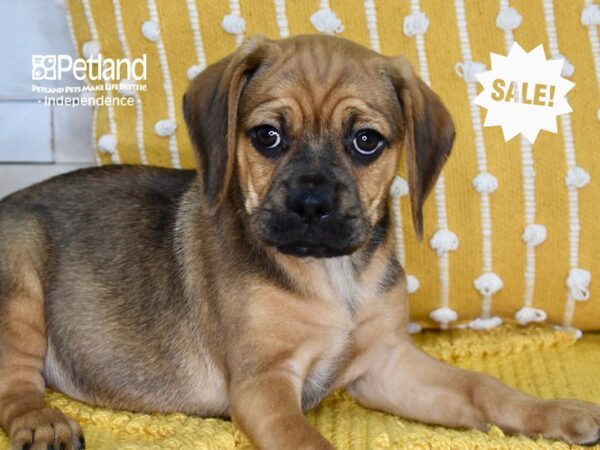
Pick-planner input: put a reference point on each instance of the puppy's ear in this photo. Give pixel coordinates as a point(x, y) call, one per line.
point(210, 108)
point(429, 134)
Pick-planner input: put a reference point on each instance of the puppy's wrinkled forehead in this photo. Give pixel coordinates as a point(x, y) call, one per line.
point(314, 84)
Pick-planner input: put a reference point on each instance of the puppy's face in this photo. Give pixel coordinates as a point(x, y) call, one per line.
point(319, 136)
point(314, 128)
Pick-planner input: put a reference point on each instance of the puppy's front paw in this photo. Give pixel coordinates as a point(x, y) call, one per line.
point(572, 421)
point(46, 429)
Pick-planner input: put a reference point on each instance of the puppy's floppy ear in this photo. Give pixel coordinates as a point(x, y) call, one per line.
point(210, 108)
point(429, 134)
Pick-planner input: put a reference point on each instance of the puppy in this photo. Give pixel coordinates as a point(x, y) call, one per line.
point(260, 284)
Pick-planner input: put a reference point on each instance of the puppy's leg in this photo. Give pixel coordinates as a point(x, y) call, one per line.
point(411, 384)
point(267, 408)
point(275, 351)
point(390, 374)
point(23, 414)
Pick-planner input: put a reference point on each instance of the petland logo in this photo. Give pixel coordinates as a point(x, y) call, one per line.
point(95, 68)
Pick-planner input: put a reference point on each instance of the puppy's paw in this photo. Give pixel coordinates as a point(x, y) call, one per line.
point(572, 421)
point(46, 429)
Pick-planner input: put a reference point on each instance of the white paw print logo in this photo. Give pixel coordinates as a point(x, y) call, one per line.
point(43, 67)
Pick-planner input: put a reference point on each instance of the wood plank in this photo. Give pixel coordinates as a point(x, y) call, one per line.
point(27, 28)
point(25, 132)
point(18, 176)
point(73, 134)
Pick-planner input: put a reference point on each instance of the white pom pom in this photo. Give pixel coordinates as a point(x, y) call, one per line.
point(468, 69)
point(508, 19)
point(412, 284)
point(578, 283)
point(107, 143)
point(575, 331)
point(413, 328)
point(127, 88)
point(590, 16)
point(485, 183)
point(568, 69)
point(326, 21)
point(527, 315)
point(61, 3)
point(399, 187)
point(577, 177)
point(534, 234)
point(485, 324)
point(165, 127)
point(151, 30)
point(415, 23)
point(443, 315)
point(194, 71)
point(90, 49)
point(443, 241)
point(488, 283)
point(234, 24)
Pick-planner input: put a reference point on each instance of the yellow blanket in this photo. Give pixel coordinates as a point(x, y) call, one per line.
point(535, 360)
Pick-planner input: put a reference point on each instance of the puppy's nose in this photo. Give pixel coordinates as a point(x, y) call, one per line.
point(312, 206)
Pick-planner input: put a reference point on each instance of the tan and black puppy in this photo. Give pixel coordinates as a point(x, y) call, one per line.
point(257, 287)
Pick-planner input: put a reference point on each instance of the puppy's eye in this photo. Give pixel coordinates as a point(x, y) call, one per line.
point(267, 140)
point(368, 142)
point(268, 137)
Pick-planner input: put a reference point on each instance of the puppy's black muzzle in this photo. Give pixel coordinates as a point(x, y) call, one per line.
point(312, 213)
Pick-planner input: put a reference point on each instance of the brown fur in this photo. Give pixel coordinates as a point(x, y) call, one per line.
point(158, 290)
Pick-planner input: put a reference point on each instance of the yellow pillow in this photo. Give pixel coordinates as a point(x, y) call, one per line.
point(510, 229)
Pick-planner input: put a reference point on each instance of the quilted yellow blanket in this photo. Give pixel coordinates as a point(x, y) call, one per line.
point(536, 360)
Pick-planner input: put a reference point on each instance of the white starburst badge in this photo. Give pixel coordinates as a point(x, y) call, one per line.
point(523, 93)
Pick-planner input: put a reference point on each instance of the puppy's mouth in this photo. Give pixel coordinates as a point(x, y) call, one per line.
point(337, 235)
point(308, 250)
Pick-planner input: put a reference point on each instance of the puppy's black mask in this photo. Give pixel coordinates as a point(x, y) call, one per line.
point(312, 208)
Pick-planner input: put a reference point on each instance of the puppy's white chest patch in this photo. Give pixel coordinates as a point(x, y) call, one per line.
point(343, 281)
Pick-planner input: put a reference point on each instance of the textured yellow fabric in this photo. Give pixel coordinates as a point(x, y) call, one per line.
point(443, 50)
point(535, 360)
